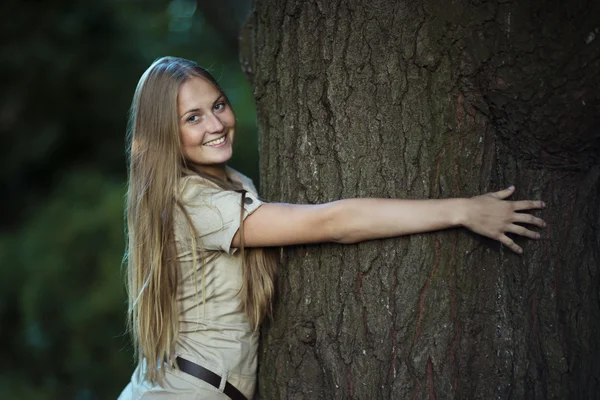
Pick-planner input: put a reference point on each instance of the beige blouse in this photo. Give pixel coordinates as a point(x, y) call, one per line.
point(214, 334)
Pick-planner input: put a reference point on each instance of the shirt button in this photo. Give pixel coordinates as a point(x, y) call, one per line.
point(248, 200)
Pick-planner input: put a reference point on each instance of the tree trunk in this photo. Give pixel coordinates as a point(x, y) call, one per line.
point(438, 99)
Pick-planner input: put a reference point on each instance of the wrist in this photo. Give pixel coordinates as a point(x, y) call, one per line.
point(460, 212)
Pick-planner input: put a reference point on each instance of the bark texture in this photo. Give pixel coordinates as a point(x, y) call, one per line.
point(433, 99)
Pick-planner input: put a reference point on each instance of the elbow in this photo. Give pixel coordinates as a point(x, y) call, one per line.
point(338, 224)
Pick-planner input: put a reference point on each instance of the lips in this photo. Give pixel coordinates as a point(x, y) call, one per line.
point(216, 142)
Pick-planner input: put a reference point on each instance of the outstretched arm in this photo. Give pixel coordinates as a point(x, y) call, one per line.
point(356, 220)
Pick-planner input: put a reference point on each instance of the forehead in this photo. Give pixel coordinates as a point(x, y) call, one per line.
point(196, 92)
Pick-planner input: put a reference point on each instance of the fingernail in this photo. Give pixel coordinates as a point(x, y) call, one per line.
point(537, 236)
point(511, 187)
point(543, 204)
point(520, 251)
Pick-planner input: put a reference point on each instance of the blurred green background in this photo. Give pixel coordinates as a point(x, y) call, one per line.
point(68, 71)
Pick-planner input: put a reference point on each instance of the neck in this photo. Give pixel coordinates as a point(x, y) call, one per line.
point(218, 171)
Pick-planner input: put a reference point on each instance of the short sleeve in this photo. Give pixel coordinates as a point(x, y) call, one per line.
point(215, 214)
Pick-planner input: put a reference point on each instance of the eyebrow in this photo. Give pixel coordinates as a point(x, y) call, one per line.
point(221, 97)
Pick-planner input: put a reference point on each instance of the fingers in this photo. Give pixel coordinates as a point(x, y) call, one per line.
point(518, 205)
point(520, 230)
point(502, 194)
point(529, 219)
point(528, 204)
point(508, 242)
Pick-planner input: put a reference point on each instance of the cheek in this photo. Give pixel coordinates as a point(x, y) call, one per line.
point(189, 140)
point(228, 119)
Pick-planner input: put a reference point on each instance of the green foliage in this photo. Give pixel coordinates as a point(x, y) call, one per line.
point(65, 294)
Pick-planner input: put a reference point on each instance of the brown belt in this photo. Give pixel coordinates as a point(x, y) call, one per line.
point(209, 377)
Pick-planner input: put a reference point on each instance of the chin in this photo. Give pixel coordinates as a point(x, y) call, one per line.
point(221, 159)
point(226, 157)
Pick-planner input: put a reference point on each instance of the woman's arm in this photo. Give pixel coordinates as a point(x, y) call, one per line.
point(356, 220)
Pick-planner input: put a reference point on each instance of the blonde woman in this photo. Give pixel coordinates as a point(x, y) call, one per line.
point(199, 281)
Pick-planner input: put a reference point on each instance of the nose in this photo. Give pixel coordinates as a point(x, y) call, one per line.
point(214, 124)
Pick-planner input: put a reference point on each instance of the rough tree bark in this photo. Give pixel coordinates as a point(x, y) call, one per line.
point(433, 99)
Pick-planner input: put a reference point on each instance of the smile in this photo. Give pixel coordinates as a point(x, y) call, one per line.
point(216, 142)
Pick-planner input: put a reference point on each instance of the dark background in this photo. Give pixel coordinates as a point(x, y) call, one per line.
point(68, 72)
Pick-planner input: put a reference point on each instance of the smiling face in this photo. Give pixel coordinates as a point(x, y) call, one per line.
point(206, 126)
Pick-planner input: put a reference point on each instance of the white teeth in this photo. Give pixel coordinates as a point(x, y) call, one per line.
point(215, 142)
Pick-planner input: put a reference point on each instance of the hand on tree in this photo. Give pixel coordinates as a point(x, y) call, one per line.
point(492, 216)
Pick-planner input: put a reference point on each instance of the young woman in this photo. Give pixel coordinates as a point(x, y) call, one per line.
point(199, 280)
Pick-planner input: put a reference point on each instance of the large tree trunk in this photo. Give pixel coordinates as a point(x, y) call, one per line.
point(438, 99)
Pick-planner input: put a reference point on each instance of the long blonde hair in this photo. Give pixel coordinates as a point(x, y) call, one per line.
point(156, 166)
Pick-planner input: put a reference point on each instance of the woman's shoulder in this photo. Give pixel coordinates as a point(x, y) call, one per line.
point(193, 186)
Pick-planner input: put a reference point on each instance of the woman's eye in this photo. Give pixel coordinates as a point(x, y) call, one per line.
point(193, 118)
point(219, 106)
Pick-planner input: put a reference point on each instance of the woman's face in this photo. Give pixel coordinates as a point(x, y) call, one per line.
point(206, 124)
